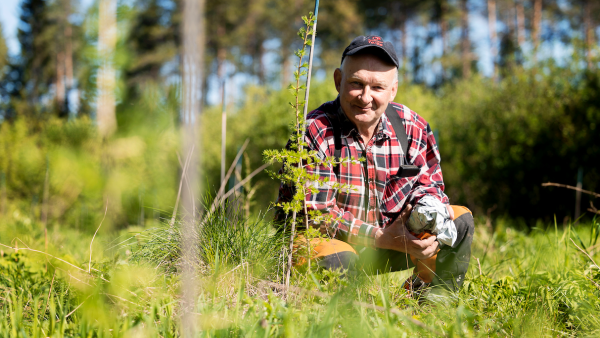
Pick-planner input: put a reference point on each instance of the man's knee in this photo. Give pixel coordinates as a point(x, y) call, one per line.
point(465, 226)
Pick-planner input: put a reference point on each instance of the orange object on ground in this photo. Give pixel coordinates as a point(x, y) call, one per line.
point(330, 249)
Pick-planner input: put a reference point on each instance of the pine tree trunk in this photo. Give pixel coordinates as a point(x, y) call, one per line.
point(221, 52)
point(493, 35)
point(2, 193)
point(69, 81)
point(444, 25)
point(261, 72)
point(285, 66)
point(537, 21)
point(60, 82)
point(589, 32)
point(465, 42)
point(404, 45)
point(520, 22)
point(443, 32)
point(193, 50)
point(106, 116)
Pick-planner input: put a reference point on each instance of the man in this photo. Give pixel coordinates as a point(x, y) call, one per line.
point(369, 226)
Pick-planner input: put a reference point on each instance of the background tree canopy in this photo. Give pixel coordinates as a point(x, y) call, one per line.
point(504, 127)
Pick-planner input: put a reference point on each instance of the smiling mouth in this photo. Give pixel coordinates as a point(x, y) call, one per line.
point(365, 109)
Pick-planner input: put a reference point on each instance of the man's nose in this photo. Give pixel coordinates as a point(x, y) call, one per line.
point(366, 95)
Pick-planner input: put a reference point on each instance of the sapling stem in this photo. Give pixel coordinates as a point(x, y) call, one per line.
point(300, 131)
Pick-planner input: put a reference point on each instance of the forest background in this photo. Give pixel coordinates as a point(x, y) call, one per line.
point(504, 127)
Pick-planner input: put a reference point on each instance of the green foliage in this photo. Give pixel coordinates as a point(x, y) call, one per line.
point(153, 41)
point(136, 173)
point(500, 142)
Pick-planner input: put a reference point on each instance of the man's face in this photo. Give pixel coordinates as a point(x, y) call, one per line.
point(366, 86)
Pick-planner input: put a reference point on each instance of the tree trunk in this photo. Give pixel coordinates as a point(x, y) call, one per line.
point(493, 36)
point(443, 34)
point(285, 66)
point(221, 52)
point(537, 21)
point(404, 47)
point(69, 81)
point(520, 22)
point(444, 25)
point(2, 193)
point(589, 32)
point(64, 67)
point(60, 82)
point(107, 40)
point(193, 51)
point(261, 72)
point(465, 42)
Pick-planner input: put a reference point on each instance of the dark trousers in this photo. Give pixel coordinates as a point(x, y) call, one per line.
point(447, 268)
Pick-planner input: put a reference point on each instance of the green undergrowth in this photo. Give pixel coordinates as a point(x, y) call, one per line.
point(521, 283)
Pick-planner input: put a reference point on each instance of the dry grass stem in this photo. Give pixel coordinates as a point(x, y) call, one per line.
point(550, 184)
point(585, 253)
point(184, 169)
point(245, 180)
point(229, 172)
point(92, 242)
point(49, 293)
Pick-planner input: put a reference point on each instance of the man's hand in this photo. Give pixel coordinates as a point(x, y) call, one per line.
point(397, 237)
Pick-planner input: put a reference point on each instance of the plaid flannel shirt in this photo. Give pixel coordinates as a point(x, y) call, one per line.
point(376, 199)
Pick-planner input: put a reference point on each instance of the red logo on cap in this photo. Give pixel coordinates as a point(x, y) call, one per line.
point(375, 40)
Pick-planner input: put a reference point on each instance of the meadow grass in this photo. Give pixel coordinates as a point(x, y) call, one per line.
point(521, 283)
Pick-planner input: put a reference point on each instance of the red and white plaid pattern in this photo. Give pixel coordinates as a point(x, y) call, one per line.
point(387, 194)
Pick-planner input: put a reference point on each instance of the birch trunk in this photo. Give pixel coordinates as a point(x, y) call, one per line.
point(192, 75)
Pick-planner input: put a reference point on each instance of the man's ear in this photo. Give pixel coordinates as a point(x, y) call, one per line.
point(337, 78)
point(394, 91)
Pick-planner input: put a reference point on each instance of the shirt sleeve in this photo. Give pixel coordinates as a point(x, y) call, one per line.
point(430, 180)
point(342, 224)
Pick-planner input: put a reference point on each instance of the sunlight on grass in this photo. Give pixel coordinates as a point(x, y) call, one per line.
point(527, 284)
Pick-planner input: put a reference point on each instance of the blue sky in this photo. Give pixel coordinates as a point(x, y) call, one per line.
point(9, 17)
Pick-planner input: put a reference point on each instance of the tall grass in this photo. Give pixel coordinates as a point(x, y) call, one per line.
point(521, 283)
point(225, 239)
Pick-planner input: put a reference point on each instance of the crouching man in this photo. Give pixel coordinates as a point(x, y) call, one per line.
point(369, 231)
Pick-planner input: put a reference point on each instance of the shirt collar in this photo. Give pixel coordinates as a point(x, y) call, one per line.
point(384, 128)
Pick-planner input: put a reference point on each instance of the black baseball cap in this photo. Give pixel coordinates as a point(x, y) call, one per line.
point(381, 48)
